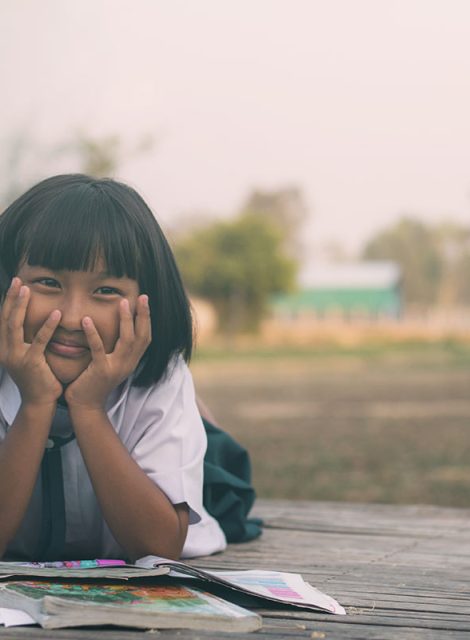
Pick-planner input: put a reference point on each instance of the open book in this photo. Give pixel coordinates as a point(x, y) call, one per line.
point(271, 586)
point(71, 604)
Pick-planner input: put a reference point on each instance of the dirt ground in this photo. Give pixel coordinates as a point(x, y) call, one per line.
point(390, 428)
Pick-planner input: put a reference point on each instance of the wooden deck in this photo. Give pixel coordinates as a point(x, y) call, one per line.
point(401, 572)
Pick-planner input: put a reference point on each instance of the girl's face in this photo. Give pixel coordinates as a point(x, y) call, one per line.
point(76, 294)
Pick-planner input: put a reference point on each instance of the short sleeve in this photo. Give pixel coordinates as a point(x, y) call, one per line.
point(168, 439)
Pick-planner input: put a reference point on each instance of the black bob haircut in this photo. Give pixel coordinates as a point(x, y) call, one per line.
point(69, 222)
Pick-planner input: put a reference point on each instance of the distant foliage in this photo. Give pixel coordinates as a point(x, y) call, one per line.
point(24, 161)
point(237, 265)
point(286, 208)
point(101, 157)
point(98, 157)
point(453, 241)
point(412, 245)
point(435, 260)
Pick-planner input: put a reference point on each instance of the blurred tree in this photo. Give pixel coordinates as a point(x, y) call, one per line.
point(453, 241)
point(19, 161)
point(101, 157)
point(23, 161)
point(98, 157)
point(462, 280)
point(236, 265)
point(414, 247)
point(284, 207)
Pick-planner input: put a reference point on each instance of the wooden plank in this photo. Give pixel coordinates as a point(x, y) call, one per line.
point(369, 546)
point(272, 630)
point(399, 570)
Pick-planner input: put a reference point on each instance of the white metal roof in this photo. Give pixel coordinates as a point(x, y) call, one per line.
point(366, 274)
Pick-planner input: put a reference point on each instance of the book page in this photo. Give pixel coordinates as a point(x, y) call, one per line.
point(98, 568)
point(14, 618)
point(286, 587)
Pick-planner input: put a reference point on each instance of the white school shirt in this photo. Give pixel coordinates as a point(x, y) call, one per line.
point(161, 428)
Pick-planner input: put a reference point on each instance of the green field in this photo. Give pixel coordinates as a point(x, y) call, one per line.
point(383, 424)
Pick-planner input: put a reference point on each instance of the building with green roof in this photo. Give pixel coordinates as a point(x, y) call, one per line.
point(361, 289)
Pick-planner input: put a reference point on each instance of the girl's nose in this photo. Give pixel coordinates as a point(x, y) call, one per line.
point(73, 310)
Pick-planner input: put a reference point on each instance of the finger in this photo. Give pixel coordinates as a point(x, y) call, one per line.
point(143, 325)
point(17, 316)
point(126, 324)
point(10, 297)
point(94, 339)
point(7, 305)
point(45, 333)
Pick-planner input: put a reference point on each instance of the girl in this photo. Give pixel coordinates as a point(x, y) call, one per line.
point(101, 442)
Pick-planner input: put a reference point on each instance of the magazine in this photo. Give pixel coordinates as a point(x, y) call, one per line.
point(112, 569)
point(72, 604)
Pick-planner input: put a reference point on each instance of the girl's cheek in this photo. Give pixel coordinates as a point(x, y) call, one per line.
point(107, 325)
point(36, 315)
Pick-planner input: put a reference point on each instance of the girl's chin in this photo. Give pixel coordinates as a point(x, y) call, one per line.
point(66, 372)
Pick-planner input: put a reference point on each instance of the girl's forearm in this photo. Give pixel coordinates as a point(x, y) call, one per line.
point(21, 453)
point(139, 514)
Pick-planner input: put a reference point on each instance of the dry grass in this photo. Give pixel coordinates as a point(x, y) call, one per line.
point(391, 426)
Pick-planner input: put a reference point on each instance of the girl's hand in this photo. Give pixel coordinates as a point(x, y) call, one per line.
point(107, 370)
point(26, 363)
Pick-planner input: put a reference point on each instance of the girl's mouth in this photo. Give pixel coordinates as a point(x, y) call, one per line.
point(68, 350)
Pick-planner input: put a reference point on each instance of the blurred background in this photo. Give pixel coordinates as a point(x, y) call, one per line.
point(310, 163)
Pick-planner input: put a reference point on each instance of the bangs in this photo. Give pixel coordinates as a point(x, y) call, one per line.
point(79, 228)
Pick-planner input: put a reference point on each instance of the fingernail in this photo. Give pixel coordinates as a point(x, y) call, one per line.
point(145, 300)
point(86, 321)
point(23, 291)
point(55, 315)
point(14, 281)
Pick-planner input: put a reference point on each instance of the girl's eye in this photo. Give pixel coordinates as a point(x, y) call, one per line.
point(108, 291)
point(48, 282)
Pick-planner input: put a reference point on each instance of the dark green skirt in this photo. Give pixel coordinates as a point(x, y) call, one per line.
point(228, 494)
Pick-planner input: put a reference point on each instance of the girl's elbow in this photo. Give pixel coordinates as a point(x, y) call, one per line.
point(166, 544)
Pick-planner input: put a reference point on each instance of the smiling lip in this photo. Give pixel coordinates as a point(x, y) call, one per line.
point(67, 349)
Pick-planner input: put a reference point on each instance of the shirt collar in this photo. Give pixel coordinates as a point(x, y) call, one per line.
point(10, 398)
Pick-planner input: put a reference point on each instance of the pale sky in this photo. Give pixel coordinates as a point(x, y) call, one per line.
point(363, 104)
